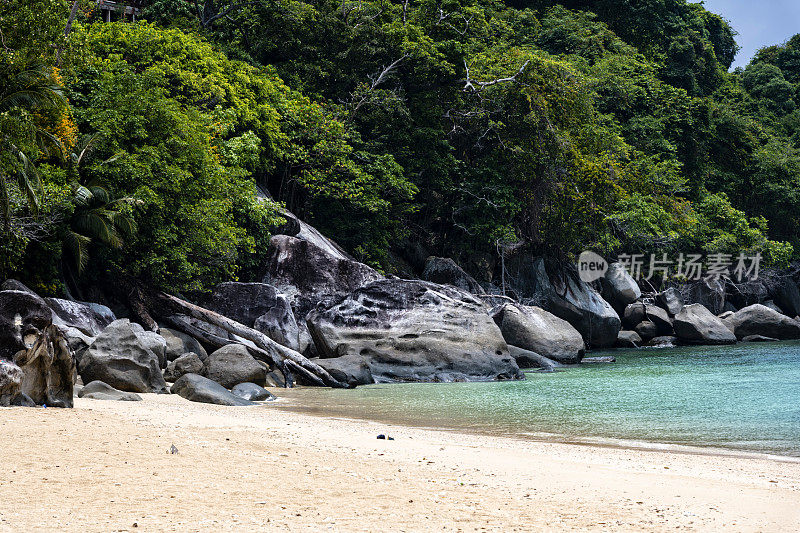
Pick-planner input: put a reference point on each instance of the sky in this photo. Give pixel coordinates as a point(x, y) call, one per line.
point(759, 23)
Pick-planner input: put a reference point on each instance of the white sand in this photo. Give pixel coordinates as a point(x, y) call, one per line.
point(104, 466)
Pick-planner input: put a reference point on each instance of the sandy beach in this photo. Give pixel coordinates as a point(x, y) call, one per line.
point(106, 466)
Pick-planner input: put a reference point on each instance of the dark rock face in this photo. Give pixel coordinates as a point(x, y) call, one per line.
point(534, 329)
point(619, 287)
point(179, 343)
point(280, 325)
point(761, 320)
point(634, 314)
point(787, 295)
point(275, 379)
point(415, 331)
point(120, 358)
point(771, 305)
point(709, 292)
point(646, 330)
point(199, 389)
point(23, 317)
point(528, 359)
point(294, 227)
point(671, 300)
point(188, 363)
point(744, 294)
point(695, 324)
point(78, 342)
point(579, 304)
point(10, 382)
point(252, 392)
point(660, 318)
point(97, 390)
point(89, 319)
point(14, 285)
point(350, 369)
point(445, 271)
point(628, 339)
point(233, 364)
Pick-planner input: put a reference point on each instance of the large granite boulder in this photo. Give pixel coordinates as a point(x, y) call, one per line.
point(197, 388)
point(741, 295)
point(78, 342)
point(758, 319)
point(48, 369)
point(351, 369)
point(786, 294)
point(294, 227)
point(88, 318)
point(634, 314)
point(407, 330)
point(121, 357)
point(533, 328)
point(188, 363)
point(528, 359)
point(646, 330)
point(10, 382)
point(628, 339)
point(619, 287)
point(709, 292)
point(659, 317)
point(671, 300)
point(153, 342)
point(445, 271)
point(695, 324)
point(179, 343)
point(252, 392)
point(97, 390)
point(23, 317)
point(233, 364)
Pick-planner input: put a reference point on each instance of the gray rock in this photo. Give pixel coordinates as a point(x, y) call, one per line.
point(97, 390)
point(758, 338)
point(445, 271)
point(120, 357)
point(179, 343)
point(23, 316)
point(233, 364)
point(695, 324)
point(619, 287)
point(252, 392)
point(90, 319)
point(294, 227)
point(634, 314)
point(628, 339)
point(726, 314)
point(153, 342)
point(528, 359)
point(771, 305)
point(48, 369)
point(14, 285)
point(415, 331)
point(787, 295)
point(646, 330)
point(761, 320)
point(275, 379)
point(709, 292)
point(197, 388)
point(188, 363)
point(78, 342)
point(600, 360)
point(671, 300)
point(350, 369)
point(660, 318)
point(665, 341)
point(534, 329)
point(10, 382)
point(743, 294)
point(280, 325)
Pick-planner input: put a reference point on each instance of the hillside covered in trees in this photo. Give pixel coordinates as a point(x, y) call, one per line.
point(458, 128)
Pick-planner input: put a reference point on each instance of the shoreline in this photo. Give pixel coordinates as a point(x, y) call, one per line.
point(105, 466)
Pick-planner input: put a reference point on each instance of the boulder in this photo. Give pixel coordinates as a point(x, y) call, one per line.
point(665, 341)
point(619, 287)
point(10, 382)
point(294, 227)
point(787, 295)
point(153, 342)
point(252, 392)
point(233, 364)
point(243, 302)
point(14, 285)
point(90, 319)
point(120, 357)
point(771, 305)
point(695, 324)
point(758, 338)
point(747, 293)
point(659, 317)
point(179, 343)
point(646, 330)
point(445, 271)
point(534, 329)
point(671, 300)
point(275, 379)
point(408, 330)
point(726, 314)
point(23, 317)
point(634, 314)
point(628, 339)
point(48, 369)
point(197, 388)
point(529, 359)
point(279, 324)
point(709, 292)
point(188, 363)
point(78, 342)
point(603, 359)
point(97, 390)
point(350, 369)
point(761, 320)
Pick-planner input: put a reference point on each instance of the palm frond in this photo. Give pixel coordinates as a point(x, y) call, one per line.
point(77, 246)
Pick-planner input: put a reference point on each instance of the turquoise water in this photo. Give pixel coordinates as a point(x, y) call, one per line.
point(743, 397)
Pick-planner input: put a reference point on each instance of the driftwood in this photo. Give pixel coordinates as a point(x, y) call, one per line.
point(48, 368)
point(166, 305)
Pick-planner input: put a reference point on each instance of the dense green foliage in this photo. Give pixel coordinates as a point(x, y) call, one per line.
point(459, 126)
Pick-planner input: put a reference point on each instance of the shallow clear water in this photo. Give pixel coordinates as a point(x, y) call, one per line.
point(744, 397)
